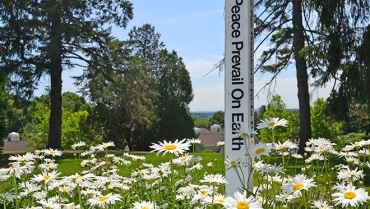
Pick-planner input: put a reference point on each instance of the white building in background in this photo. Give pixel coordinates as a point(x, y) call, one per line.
point(13, 136)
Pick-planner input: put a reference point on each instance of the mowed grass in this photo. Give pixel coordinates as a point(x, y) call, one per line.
point(69, 163)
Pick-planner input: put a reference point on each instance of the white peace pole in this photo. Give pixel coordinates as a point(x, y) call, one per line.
point(239, 86)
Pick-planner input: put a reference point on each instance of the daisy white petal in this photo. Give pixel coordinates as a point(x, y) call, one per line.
point(177, 147)
point(348, 195)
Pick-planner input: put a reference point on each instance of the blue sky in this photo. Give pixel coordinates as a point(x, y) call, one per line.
point(195, 30)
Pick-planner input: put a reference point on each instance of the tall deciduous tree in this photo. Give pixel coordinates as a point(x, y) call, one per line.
point(171, 81)
point(281, 23)
point(320, 36)
point(4, 108)
point(346, 30)
point(122, 95)
point(40, 38)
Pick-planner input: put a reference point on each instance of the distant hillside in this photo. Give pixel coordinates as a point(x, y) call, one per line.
point(208, 114)
point(202, 114)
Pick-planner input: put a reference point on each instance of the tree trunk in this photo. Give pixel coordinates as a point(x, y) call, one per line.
point(302, 77)
point(55, 54)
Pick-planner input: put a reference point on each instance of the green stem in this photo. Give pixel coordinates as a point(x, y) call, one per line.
point(79, 196)
point(240, 178)
point(16, 192)
point(173, 184)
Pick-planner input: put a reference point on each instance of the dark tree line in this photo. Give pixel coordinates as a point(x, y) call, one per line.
point(45, 38)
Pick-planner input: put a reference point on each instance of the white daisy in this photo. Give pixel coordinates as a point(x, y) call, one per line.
point(348, 195)
point(177, 147)
point(284, 197)
point(232, 162)
point(247, 134)
point(134, 157)
point(78, 145)
point(220, 143)
point(50, 203)
point(194, 141)
point(46, 176)
point(348, 175)
point(258, 150)
point(104, 200)
point(105, 145)
point(144, 205)
point(321, 204)
point(285, 145)
point(218, 199)
point(214, 179)
point(53, 152)
point(242, 201)
point(184, 160)
point(48, 166)
point(272, 123)
point(28, 188)
point(22, 158)
point(298, 183)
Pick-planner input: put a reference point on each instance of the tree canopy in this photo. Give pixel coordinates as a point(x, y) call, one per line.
point(323, 38)
point(40, 38)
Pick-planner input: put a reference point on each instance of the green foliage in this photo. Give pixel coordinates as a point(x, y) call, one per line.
point(4, 108)
point(201, 122)
point(323, 126)
point(72, 131)
point(277, 109)
point(349, 138)
point(207, 151)
point(74, 119)
point(218, 118)
point(358, 120)
point(171, 82)
point(37, 129)
point(141, 93)
point(123, 99)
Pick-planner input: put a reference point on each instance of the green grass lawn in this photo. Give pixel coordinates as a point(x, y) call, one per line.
point(69, 164)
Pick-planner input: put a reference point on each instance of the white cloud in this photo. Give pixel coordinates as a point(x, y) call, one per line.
point(200, 68)
point(208, 98)
point(209, 91)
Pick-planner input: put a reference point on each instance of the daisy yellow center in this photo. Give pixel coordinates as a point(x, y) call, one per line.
point(349, 195)
point(170, 146)
point(46, 177)
point(321, 148)
point(203, 193)
point(221, 201)
point(103, 198)
point(233, 162)
point(242, 205)
point(183, 159)
point(272, 124)
point(144, 207)
point(47, 165)
point(285, 196)
point(53, 153)
point(298, 186)
point(356, 144)
point(260, 151)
